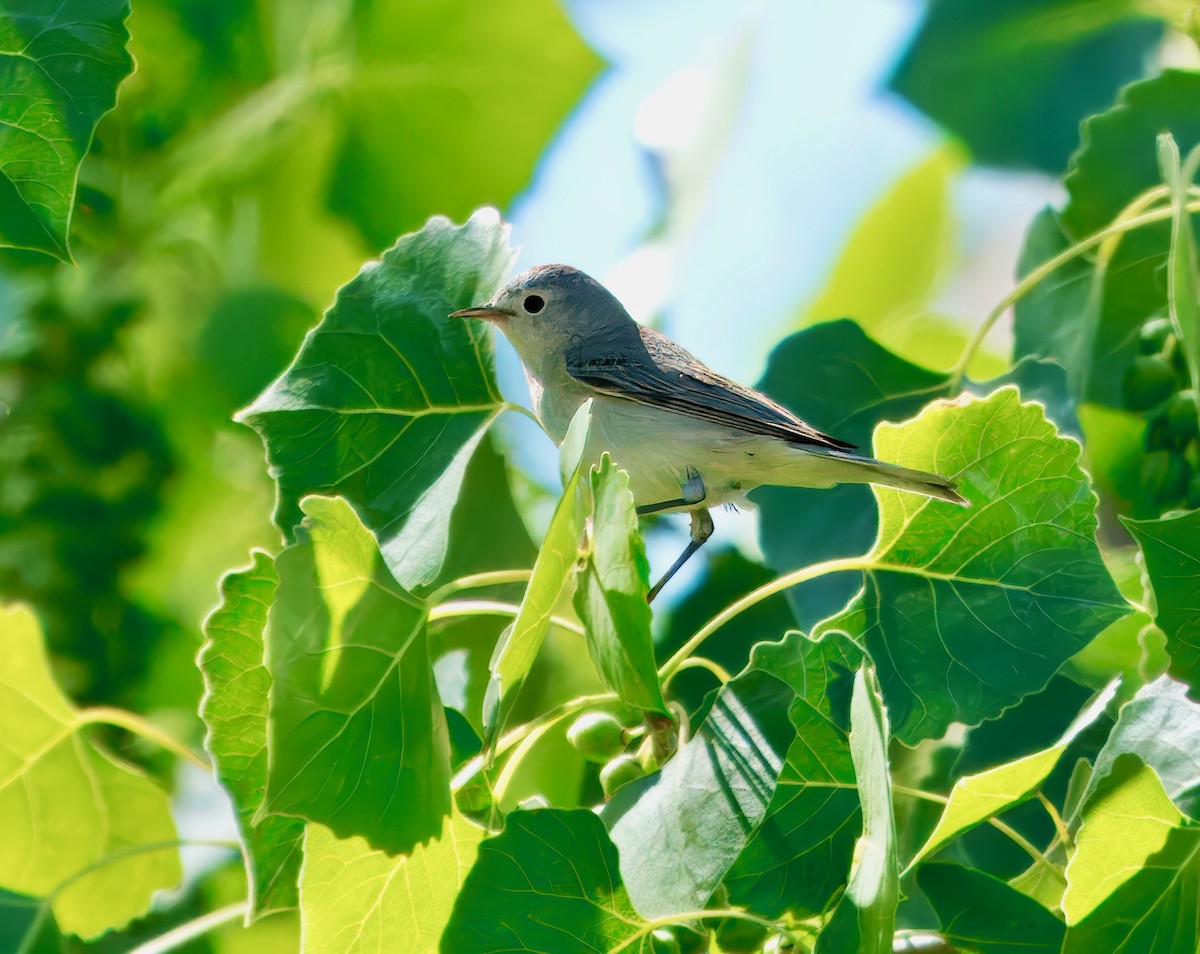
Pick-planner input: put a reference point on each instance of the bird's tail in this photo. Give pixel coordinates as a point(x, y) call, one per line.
point(913, 481)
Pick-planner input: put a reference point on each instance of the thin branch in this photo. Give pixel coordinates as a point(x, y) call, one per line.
point(190, 930)
point(107, 715)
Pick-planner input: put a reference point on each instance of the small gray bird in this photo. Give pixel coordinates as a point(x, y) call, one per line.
point(689, 438)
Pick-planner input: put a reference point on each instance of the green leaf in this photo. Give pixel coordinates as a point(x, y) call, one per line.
point(1154, 912)
point(800, 857)
point(356, 899)
point(976, 798)
point(429, 95)
point(548, 882)
point(982, 913)
point(518, 646)
point(983, 72)
point(63, 64)
point(843, 382)
point(1160, 726)
point(865, 918)
point(610, 596)
point(1127, 818)
point(1171, 548)
point(78, 824)
point(234, 709)
point(708, 799)
point(356, 733)
point(388, 398)
point(968, 610)
point(813, 668)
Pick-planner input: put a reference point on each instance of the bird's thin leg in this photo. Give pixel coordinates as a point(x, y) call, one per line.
point(693, 493)
point(702, 529)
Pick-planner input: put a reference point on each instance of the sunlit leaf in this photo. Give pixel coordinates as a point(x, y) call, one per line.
point(429, 96)
point(978, 797)
point(968, 610)
point(705, 803)
point(548, 882)
point(1127, 818)
point(1154, 912)
point(356, 732)
point(982, 913)
point(388, 398)
point(76, 822)
point(865, 917)
point(357, 899)
point(610, 595)
point(1171, 547)
point(890, 266)
point(1160, 725)
point(983, 72)
point(235, 711)
point(63, 61)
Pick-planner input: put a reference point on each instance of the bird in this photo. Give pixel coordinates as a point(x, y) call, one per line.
point(689, 438)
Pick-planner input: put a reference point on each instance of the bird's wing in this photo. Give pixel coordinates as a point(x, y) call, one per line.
point(658, 372)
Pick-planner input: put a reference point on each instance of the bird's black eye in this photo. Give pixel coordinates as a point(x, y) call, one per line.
point(534, 303)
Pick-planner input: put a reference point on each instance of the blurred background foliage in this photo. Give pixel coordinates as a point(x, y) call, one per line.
point(736, 173)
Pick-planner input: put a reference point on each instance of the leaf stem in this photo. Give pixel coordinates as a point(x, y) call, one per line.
point(477, 580)
point(132, 851)
point(1059, 825)
point(778, 585)
point(515, 736)
point(700, 662)
point(108, 715)
point(1119, 227)
point(190, 930)
point(455, 608)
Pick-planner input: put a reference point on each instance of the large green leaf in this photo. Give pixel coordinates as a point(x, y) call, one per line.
point(841, 381)
point(976, 798)
point(95, 833)
point(431, 99)
point(610, 595)
point(234, 709)
point(549, 882)
point(358, 900)
point(706, 802)
point(984, 71)
point(388, 398)
point(1160, 725)
point(865, 917)
point(982, 913)
point(968, 610)
point(62, 63)
point(1171, 547)
point(356, 733)
point(1154, 912)
point(1127, 818)
point(800, 857)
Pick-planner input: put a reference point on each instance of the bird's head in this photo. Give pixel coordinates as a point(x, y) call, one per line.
point(549, 307)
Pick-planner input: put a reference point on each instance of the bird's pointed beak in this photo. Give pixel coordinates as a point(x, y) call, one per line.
point(486, 312)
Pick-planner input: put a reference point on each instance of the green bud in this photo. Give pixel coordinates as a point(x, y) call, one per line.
point(663, 941)
point(738, 936)
point(1155, 333)
point(598, 736)
point(1149, 381)
point(1180, 414)
point(622, 769)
